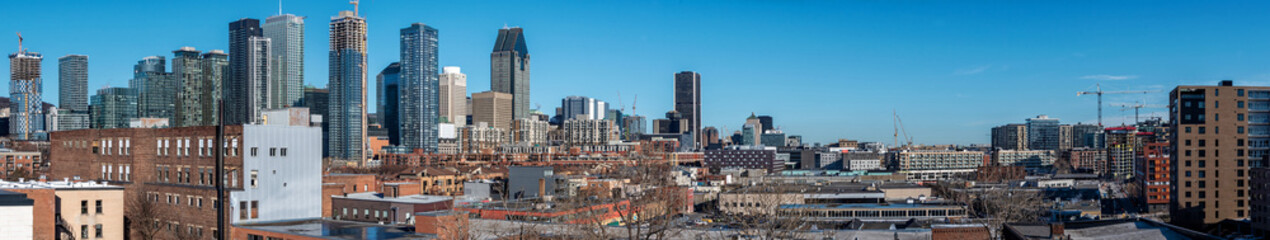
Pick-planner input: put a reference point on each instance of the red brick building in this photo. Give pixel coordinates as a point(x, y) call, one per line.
point(1153, 176)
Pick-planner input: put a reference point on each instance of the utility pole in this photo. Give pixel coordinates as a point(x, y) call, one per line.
point(220, 170)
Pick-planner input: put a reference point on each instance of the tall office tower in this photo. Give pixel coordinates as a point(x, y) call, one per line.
point(156, 88)
point(420, 87)
point(492, 108)
point(509, 69)
point(114, 107)
point(26, 117)
point(239, 91)
point(454, 96)
point(574, 107)
point(711, 136)
point(72, 79)
point(215, 66)
point(388, 83)
point(1087, 136)
point(1010, 137)
point(688, 102)
point(259, 85)
point(347, 115)
point(286, 32)
point(1217, 134)
point(766, 121)
point(1122, 145)
point(1043, 133)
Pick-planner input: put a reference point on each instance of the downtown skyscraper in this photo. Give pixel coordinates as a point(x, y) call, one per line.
point(248, 72)
point(420, 96)
point(156, 88)
point(346, 123)
point(688, 103)
point(200, 78)
point(26, 116)
point(286, 31)
point(509, 69)
point(454, 95)
point(388, 82)
point(72, 79)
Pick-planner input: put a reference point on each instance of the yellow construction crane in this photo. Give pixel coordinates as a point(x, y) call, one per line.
point(1098, 91)
point(899, 128)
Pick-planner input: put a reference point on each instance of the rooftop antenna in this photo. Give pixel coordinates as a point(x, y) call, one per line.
point(279, 7)
point(355, 10)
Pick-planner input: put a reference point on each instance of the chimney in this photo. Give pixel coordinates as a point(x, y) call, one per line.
point(1056, 230)
point(542, 187)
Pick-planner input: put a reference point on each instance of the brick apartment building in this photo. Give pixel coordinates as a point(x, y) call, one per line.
point(273, 171)
point(1153, 175)
point(1216, 134)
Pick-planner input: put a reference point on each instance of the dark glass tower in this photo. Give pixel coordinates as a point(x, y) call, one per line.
point(238, 85)
point(389, 91)
point(688, 102)
point(509, 69)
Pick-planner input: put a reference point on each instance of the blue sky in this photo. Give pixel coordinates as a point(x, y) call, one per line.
point(822, 69)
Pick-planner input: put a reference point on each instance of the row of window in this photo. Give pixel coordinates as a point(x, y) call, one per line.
point(205, 175)
point(97, 231)
point(175, 199)
point(245, 207)
point(1217, 214)
point(205, 146)
point(83, 207)
point(124, 172)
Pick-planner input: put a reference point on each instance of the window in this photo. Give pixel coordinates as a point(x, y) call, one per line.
point(253, 178)
point(97, 229)
point(83, 231)
point(242, 210)
point(1239, 129)
point(254, 150)
point(1239, 104)
point(98, 206)
point(83, 207)
point(284, 152)
point(1201, 130)
point(255, 209)
point(273, 152)
point(1239, 117)
point(1239, 92)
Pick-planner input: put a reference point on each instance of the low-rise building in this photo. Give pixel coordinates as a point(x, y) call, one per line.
point(1087, 160)
point(88, 210)
point(744, 158)
point(1153, 176)
point(378, 208)
point(1031, 160)
point(935, 164)
point(17, 218)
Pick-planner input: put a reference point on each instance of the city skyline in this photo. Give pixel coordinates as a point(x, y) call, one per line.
point(990, 57)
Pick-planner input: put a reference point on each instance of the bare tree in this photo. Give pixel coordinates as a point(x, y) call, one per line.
point(758, 213)
point(997, 206)
point(142, 213)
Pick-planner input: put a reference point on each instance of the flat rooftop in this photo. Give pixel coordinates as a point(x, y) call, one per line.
point(871, 205)
point(412, 199)
point(68, 185)
point(335, 229)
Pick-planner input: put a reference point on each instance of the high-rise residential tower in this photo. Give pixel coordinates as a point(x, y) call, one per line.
point(286, 32)
point(1043, 133)
point(583, 107)
point(200, 78)
point(1216, 134)
point(346, 120)
point(239, 87)
point(688, 102)
point(26, 116)
point(1010, 137)
point(453, 96)
point(509, 69)
point(420, 88)
point(156, 88)
point(114, 107)
point(388, 82)
point(72, 79)
point(259, 84)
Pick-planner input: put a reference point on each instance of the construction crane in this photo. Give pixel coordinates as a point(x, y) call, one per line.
point(899, 127)
point(355, 5)
point(1098, 91)
point(621, 104)
point(1137, 106)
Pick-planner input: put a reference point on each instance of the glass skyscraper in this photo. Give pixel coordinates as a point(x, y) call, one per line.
point(243, 83)
point(420, 88)
point(72, 79)
point(346, 123)
point(287, 33)
point(509, 69)
point(156, 89)
point(114, 107)
point(688, 103)
point(389, 82)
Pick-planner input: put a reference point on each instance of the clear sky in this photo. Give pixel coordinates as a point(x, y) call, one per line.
point(822, 69)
